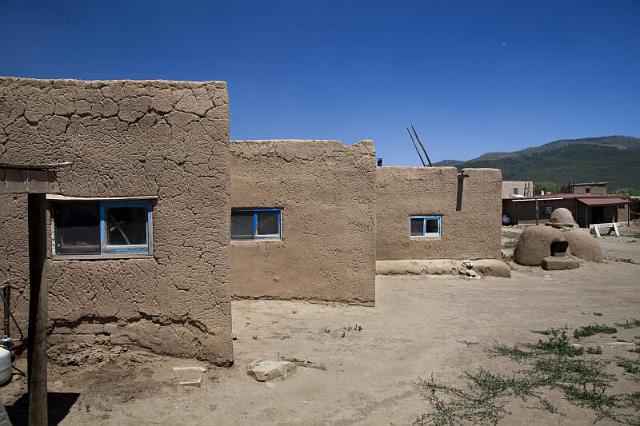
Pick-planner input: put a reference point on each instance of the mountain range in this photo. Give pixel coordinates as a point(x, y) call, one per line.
point(613, 159)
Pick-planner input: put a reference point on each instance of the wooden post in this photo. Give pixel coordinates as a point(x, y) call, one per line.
point(537, 213)
point(37, 338)
point(586, 215)
point(461, 177)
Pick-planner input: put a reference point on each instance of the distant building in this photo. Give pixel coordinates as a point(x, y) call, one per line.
point(517, 188)
point(587, 209)
point(586, 188)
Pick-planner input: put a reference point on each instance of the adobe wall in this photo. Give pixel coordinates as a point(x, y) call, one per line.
point(525, 188)
point(14, 255)
point(130, 138)
point(593, 189)
point(473, 232)
point(622, 212)
point(326, 191)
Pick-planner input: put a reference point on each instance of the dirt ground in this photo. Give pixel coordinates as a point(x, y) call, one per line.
point(420, 326)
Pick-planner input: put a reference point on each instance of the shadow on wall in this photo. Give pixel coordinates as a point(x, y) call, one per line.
point(60, 404)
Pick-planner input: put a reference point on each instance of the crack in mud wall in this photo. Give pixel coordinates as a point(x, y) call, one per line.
point(130, 138)
point(326, 191)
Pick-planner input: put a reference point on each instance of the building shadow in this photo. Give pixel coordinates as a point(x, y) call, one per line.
point(59, 405)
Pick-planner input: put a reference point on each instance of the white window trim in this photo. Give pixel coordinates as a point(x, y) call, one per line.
point(425, 234)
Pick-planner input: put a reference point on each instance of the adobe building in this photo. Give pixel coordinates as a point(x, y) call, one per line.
point(517, 188)
point(160, 220)
point(303, 220)
point(438, 213)
point(586, 209)
point(138, 249)
point(585, 188)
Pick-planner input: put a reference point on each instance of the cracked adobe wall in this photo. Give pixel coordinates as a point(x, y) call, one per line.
point(474, 232)
point(326, 191)
point(130, 138)
point(14, 254)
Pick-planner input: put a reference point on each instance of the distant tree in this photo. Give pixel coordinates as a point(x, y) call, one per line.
point(547, 187)
point(627, 191)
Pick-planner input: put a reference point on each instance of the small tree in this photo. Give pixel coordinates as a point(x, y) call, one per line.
point(627, 191)
point(547, 187)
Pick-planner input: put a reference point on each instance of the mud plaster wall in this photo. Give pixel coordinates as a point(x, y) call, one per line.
point(14, 254)
point(474, 232)
point(126, 138)
point(326, 191)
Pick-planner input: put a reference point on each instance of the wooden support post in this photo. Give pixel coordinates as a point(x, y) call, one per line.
point(586, 215)
point(628, 215)
point(537, 213)
point(37, 338)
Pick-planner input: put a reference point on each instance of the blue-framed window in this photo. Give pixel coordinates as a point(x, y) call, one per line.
point(256, 224)
point(103, 228)
point(426, 226)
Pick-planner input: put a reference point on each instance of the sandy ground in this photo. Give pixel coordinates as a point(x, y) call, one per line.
point(624, 249)
point(420, 326)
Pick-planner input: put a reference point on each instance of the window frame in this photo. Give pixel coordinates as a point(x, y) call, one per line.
point(547, 208)
point(424, 218)
point(254, 223)
point(107, 251)
point(138, 249)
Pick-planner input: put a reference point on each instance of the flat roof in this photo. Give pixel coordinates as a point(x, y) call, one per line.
point(603, 201)
point(564, 196)
point(588, 183)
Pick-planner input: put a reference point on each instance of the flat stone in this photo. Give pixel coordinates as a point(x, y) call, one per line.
point(555, 263)
point(264, 370)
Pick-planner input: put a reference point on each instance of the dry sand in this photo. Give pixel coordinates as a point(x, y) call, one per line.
point(420, 326)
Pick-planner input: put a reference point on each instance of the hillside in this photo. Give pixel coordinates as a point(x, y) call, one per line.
point(614, 159)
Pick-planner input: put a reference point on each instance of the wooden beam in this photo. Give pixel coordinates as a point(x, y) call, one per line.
point(20, 181)
point(37, 337)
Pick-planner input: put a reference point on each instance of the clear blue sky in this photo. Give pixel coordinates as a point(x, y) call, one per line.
point(472, 76)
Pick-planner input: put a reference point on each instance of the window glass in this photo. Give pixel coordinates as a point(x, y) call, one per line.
point(249, 224)
point(515, 191)
point(417, 227)
point(268, 223)
point(77, 228)
point(126, 225)
point(425, 226)
point(241, 224)
point(432, 226)
point(102, 227)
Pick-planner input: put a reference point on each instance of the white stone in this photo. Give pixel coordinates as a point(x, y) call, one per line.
point(264, 370)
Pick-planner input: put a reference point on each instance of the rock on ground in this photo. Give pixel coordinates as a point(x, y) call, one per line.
point(264, 370)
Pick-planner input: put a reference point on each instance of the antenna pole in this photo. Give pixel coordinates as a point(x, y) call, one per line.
point(416, 147)
point(423, 148)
